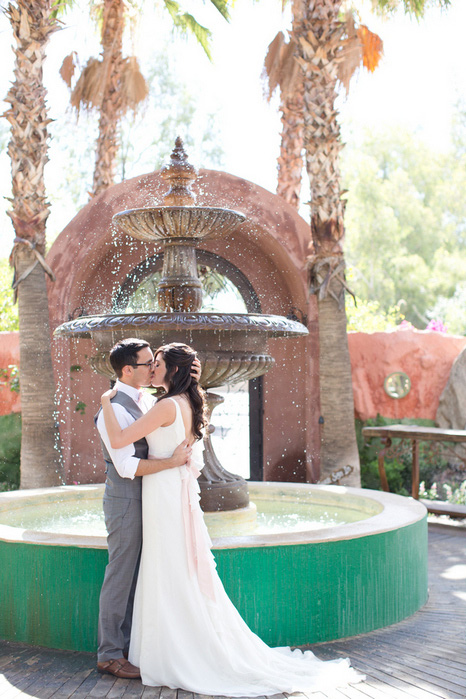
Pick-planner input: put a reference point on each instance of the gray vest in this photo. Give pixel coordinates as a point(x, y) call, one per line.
point(115, 485)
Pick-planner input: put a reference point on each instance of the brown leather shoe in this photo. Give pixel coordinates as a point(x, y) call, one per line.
point(120, 668)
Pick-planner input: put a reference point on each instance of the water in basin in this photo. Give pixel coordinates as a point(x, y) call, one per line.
point(85, 517)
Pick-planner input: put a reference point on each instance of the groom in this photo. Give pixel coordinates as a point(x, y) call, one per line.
point(133, 362)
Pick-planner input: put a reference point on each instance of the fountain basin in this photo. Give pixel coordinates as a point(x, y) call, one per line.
point(291, 588)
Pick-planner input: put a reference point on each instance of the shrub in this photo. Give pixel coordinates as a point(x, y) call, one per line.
point(10, 451)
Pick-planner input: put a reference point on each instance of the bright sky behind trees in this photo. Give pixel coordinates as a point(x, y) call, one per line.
point(421, 78)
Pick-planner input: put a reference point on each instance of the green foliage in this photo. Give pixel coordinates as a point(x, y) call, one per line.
point(367, 316)
point(405, 224)
point(417, 8)
point(454, 494)
point(8, 309)
point(185, 22)
point(10, 377)
point(10, 451)
point(452, 310)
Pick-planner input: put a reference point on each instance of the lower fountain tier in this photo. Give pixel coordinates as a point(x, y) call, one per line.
point(232, 346)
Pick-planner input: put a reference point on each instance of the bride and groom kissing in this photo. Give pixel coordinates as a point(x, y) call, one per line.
point(164, 615)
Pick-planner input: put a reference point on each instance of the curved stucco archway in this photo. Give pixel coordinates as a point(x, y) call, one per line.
point(91, 260)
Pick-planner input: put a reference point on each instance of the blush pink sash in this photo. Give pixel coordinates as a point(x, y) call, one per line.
point(200, 559)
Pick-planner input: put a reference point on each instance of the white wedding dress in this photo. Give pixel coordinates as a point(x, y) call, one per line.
point(186, 633)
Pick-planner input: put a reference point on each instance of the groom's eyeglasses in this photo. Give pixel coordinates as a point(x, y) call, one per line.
point(147, 364)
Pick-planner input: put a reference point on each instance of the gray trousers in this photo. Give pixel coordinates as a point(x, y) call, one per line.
point(123, 519)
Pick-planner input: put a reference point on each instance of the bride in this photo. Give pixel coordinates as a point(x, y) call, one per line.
point(186, 633)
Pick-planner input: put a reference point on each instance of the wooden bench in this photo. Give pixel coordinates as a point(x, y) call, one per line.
point(416, 434)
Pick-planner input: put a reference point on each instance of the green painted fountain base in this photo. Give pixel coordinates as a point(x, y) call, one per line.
point(291, 594)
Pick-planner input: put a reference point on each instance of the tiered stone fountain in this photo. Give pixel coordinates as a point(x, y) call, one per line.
point(231, 346)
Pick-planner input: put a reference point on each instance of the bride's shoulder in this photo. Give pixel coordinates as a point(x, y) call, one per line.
point(166, 406)
point(163, 412)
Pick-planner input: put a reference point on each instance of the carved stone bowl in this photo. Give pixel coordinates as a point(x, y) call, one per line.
point(169, 223)
point(241, 339)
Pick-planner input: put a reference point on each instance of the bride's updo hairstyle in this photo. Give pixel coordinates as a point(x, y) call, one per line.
point(178, 360)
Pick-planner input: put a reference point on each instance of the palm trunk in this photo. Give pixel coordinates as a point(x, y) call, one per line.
point(290, 162)
point(319, 42)
point(339, 445)
point(32, 26)
point(40, 448)
point(111, 106)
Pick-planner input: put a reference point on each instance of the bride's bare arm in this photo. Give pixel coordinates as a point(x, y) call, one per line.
point(162, 413)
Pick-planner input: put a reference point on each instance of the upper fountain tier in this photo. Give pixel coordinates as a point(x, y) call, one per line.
point(178, 223)
point(178, 219)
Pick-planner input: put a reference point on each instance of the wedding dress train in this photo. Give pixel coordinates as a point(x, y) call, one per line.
point(186, 633)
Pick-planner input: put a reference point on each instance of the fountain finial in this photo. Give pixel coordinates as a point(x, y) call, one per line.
point(180, 175)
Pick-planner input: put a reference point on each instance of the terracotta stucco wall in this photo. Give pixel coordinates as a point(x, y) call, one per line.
point(425, 356)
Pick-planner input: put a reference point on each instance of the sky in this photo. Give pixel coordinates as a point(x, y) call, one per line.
point(421, 78)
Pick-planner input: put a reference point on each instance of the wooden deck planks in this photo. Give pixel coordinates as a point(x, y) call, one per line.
point(423, 657)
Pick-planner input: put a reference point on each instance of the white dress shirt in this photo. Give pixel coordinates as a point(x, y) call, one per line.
point(124, 459)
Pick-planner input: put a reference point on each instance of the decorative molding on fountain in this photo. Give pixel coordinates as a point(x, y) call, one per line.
point(273, 326)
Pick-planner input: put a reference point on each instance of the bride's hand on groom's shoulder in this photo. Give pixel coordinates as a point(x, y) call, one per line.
point(108, 395)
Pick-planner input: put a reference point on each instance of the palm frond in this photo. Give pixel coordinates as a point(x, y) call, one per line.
point(351, 54)
point(372, 48)
point(416, 8)
point(134, 88)
point(272, 65)
point(290, 75)
point(68, 68)
point(185, 22)
point(88, 91)
point(60, 7)
point(281, 69)
point(222, 7)
point(202, 34)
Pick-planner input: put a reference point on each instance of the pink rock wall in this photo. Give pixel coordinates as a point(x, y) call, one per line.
point(9, 354)
point(424, 355)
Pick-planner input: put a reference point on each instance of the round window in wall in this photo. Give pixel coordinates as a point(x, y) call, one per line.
point(397, 385)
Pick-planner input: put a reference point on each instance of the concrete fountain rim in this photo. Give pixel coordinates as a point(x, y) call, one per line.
point(397, 512)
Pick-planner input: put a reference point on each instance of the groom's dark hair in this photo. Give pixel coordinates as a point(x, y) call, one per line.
point(125, 353)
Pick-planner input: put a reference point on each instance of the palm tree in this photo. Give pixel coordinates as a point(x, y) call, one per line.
point(114, 84)
point(324, 42)
point(281, 70)
point(32, 26)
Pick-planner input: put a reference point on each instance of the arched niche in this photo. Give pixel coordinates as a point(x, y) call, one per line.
point(91, 260)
